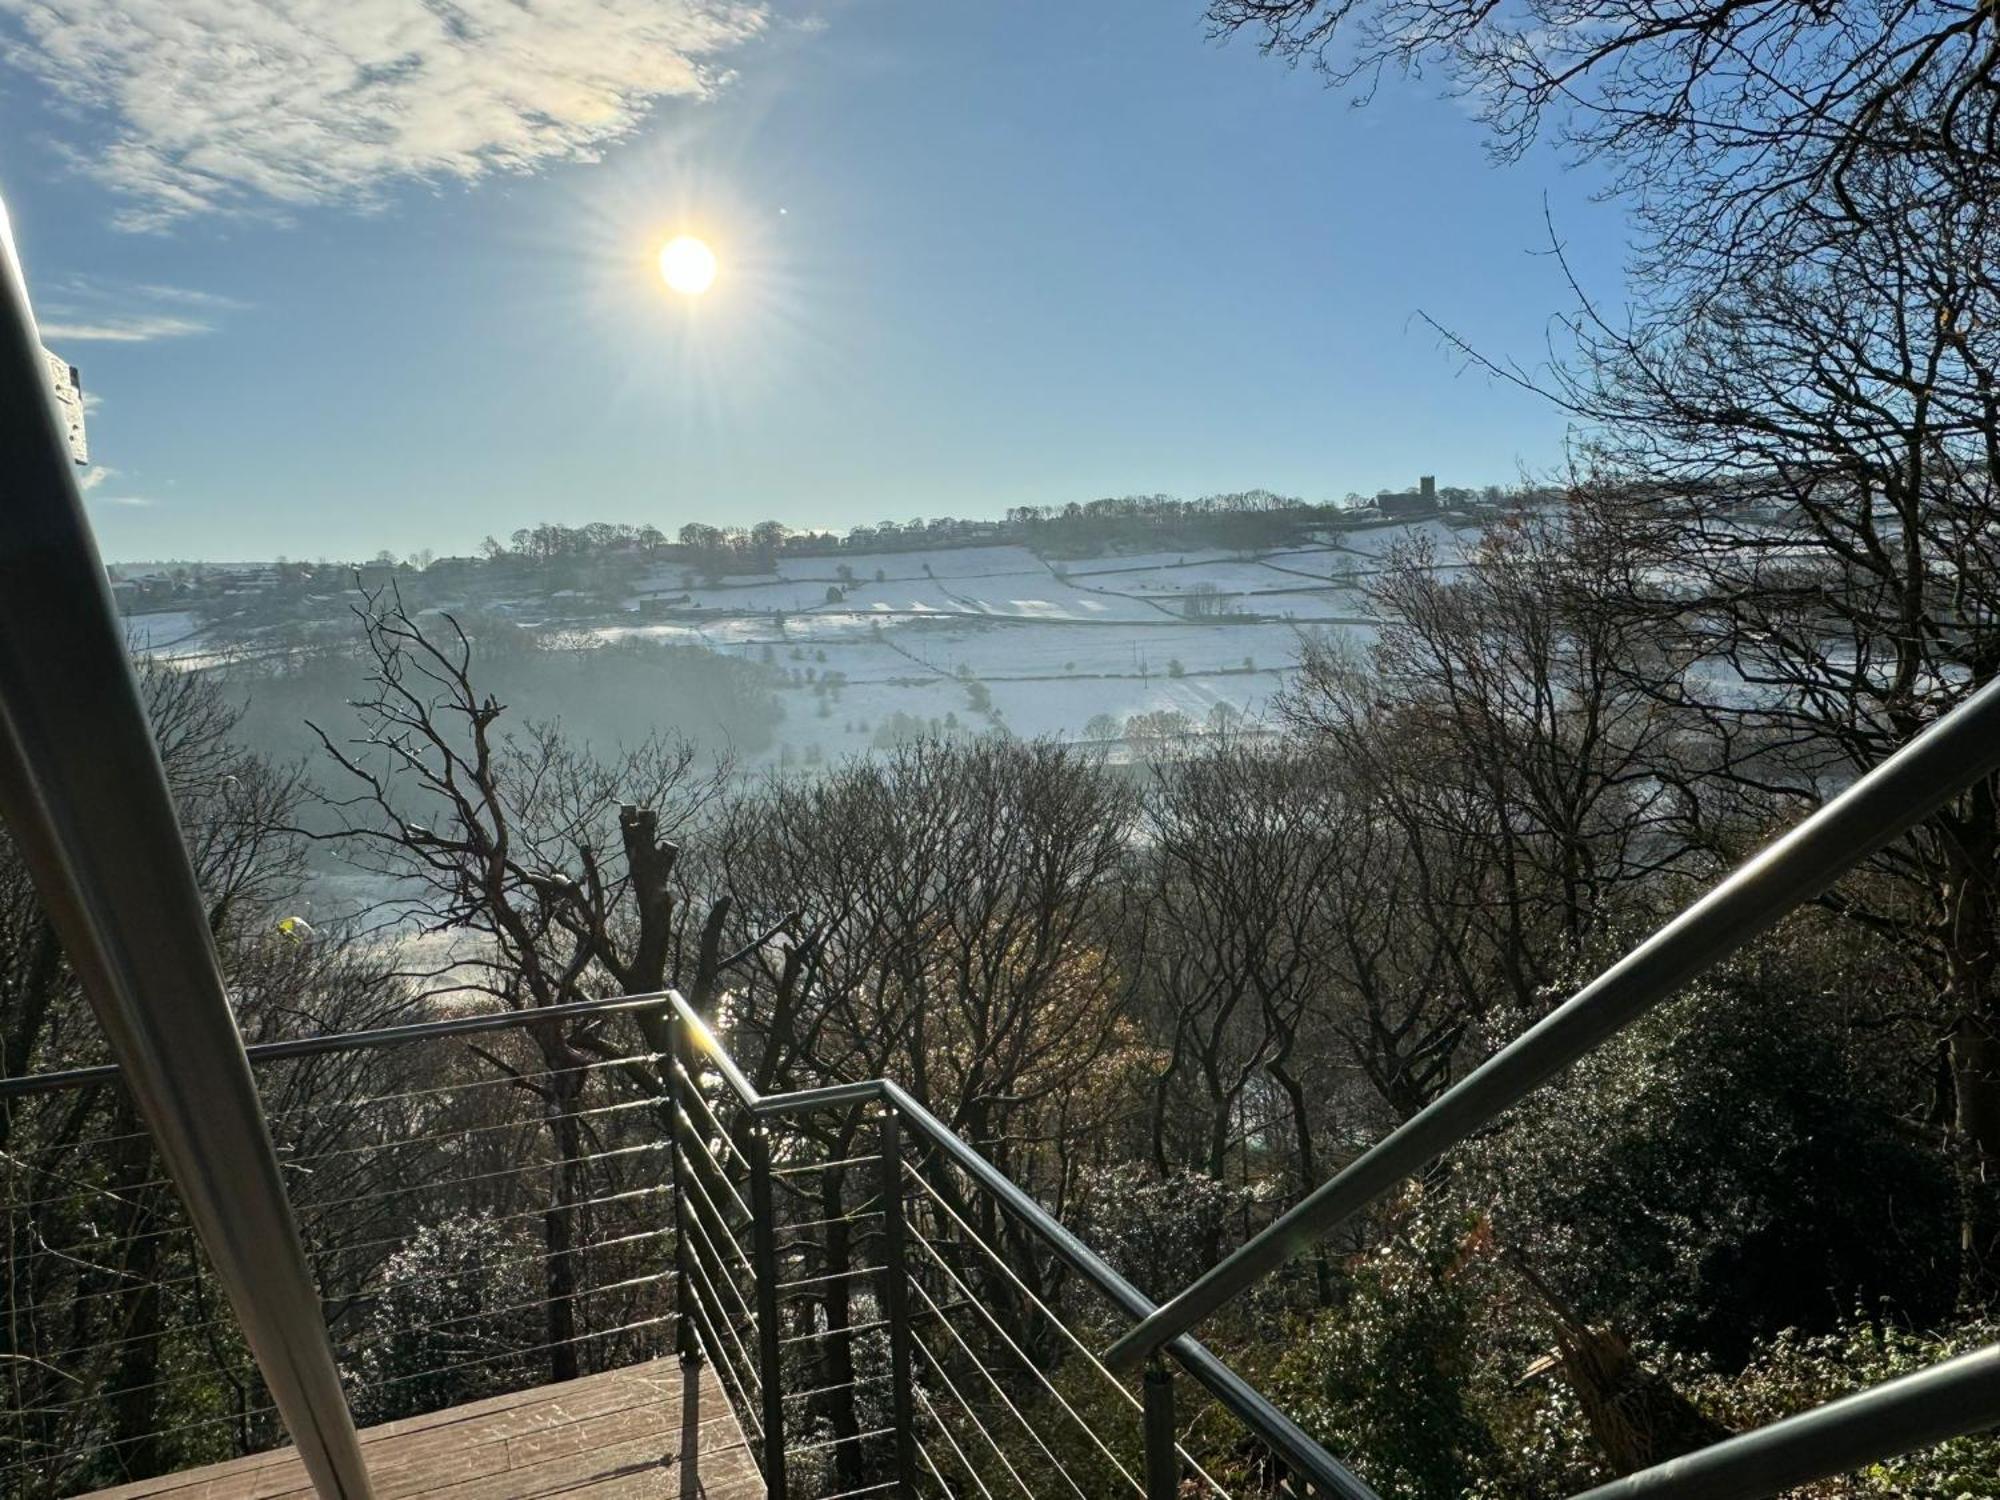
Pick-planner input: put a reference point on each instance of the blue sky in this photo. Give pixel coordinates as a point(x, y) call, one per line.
point(368, 279)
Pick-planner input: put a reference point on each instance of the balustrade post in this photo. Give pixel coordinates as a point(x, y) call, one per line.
point(764, 1265)
point(896, 1303)
point(680, 1079)
point(1163, 1463)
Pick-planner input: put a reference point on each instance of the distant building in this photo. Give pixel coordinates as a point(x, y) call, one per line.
point(1406, 504)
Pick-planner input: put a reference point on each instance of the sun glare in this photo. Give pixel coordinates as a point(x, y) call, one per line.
point(687, 265)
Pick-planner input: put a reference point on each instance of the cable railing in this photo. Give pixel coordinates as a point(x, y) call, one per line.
point(886, 1311)
point(489, 1213)
point(889, 1314)
point(85, 797)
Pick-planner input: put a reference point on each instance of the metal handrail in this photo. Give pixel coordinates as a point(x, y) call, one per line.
point(1959, 1396)
point(1945, 1401)
point(83, 789)
point(1959, 750)
point(1321, 1469)
point(348, 1041)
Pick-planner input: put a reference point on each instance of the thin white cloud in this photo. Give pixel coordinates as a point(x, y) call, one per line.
point(93, 476)
point(233, 105)
point(112, 310)
point(187, 296)
point(129, 502)
point(116, 328)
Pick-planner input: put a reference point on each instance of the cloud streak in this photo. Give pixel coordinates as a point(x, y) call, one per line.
point(249, 105)
point(129, 328)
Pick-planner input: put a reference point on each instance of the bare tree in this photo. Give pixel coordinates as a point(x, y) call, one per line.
point(1729, 129)
point(1240, 852)
point(550, 869)
point(1496, 724)
point(1806, 469)
point(940, 907)
point(109, 1321)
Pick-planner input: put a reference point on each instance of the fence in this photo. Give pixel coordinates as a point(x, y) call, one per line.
point(890, 1314)
point(484, 1207)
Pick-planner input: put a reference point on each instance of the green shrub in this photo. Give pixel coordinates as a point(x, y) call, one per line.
point(1793, 1372)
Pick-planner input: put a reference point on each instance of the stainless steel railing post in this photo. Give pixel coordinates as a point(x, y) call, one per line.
point(680, 1079)
point(85, 797)
point(896, 1303)
point(764, 1257)
point(1163, 1460)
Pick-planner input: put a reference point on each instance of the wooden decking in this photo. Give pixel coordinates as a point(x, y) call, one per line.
point(625, 1434)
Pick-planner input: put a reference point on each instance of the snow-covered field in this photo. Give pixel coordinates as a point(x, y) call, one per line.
point(1086, 651)
point(170, 633)
point(1224, 577)
point(1448, 543)
point(975, 638)
point(943, 562)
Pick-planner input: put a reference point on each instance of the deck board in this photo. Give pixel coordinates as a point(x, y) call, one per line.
point(620, 1435)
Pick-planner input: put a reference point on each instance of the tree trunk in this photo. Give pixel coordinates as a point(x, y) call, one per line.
point(135, 1408)
point(559, 1227)
point(1308, 1164)
point(1975, 1076)
point(28, 1012)
point(836, 1403)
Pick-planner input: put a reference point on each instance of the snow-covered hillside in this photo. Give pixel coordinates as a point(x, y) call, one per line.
point(868, 648)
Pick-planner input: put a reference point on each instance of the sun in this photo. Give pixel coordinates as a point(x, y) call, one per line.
point(687, 265)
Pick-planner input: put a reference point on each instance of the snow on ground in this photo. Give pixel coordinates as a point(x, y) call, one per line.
point(762, 596)
point(1320, 562)
point(968, 638)
point(1026, 596)
point(170, 633)
point(864, 715)
point(945, 562)
point(1227, 577)
point(1338, 605)
point(997, 652)
point(1449, 543)
point(1138, 562)
point(679, 635)
point(856, 712)
point(738, 630)
point(820, 625)
point(865, 659)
